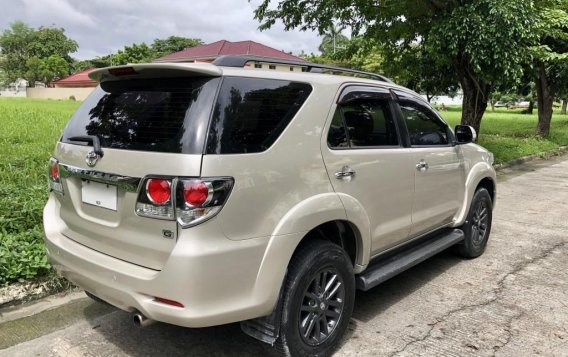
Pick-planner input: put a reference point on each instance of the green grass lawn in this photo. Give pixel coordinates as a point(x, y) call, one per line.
point(28, 132)
point(510, 134)
point(30, 128)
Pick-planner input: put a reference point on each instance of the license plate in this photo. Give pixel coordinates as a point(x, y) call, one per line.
point(99, 194)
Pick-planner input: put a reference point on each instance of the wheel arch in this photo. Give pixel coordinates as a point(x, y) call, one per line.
point(480, 175)
point(324, 217)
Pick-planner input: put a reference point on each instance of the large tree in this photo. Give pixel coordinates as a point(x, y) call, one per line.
point(46, 70)
point(22, 46)
point(550, 59)
point(484, 41)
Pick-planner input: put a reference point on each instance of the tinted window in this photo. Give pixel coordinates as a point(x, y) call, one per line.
point(250, 113)
point(424, 127)
point(147, 115)
point(369, 123)
point(337, 136)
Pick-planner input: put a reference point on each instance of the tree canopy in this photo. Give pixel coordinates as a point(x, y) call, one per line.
point(36, 55)
point(162, 47)
point(550, 58)
point(482, 42)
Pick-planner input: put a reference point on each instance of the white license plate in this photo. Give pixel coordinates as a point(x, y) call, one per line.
point(99, 194)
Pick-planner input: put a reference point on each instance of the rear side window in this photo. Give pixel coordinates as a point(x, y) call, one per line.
point(146, 115)
point(369, 123)
point(251, 113)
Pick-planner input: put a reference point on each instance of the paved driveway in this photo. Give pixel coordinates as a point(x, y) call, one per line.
point(513, 301)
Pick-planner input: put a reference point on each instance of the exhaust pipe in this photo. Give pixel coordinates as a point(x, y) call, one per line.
point(141, 320)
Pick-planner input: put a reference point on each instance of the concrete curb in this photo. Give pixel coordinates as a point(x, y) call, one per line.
point(21, 293)
point(539, 156)
point(15, 312)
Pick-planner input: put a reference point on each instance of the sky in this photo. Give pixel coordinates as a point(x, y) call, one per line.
point(101, 27)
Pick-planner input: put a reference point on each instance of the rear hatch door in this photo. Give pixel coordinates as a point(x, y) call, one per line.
point(151, 122)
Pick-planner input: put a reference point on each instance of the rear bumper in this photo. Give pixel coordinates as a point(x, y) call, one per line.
point(217, 280)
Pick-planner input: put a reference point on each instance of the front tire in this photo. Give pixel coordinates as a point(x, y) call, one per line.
point(478, 225)
point(318, 300)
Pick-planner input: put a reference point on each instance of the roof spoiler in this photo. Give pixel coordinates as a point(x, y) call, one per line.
point(147, 70)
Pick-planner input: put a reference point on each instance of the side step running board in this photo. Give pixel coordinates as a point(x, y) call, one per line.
point(384, 270)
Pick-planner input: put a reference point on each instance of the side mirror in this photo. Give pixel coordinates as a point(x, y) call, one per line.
point(465, 134)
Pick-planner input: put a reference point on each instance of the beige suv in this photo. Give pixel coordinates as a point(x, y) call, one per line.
point(201, 194)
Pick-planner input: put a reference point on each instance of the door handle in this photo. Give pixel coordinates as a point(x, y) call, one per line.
point(422, 166)
point(345, 172)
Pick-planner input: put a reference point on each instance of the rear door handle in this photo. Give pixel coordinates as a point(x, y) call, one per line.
point(345, 172)
point(422, 165)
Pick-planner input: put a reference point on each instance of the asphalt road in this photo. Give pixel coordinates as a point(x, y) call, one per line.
point(512, 301)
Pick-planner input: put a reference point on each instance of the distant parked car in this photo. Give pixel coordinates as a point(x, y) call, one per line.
point(523, 104)
point(502, 104)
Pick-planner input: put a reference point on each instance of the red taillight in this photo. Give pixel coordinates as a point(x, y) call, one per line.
point(159, 191)
point(195, 193)
point(54, 170)
point(168, 302)
point(190, 202)
point(54, 181)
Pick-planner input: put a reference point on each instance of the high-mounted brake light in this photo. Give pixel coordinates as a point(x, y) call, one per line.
point(122, 71)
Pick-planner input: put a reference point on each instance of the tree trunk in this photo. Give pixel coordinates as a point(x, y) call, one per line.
point(531, 107)
point(545, 99)
point(475, 97)
point(492, 105)
point(564, 105)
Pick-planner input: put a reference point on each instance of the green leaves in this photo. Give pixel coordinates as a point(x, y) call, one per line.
point(492, 36)
point(35, 54)
point(172, 44)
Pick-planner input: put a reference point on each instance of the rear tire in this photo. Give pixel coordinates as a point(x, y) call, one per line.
point(318, 300)
point(477, 226)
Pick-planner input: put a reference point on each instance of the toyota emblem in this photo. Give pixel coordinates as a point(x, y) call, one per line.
point(92, 158)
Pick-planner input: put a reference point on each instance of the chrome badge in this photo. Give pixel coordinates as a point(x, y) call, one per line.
point(92, 158)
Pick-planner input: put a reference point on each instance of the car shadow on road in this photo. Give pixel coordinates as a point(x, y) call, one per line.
point(228, 340)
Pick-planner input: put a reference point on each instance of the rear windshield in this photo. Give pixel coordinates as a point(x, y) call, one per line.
point(251, 113)
point(146, 115)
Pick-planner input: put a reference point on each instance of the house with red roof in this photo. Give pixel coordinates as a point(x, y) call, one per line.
point(77, 86)
point(76, 80)
point(209, 52)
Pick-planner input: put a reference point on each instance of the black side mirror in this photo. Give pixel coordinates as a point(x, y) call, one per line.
point(465, 134)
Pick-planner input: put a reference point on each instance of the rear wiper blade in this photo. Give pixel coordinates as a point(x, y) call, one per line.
point(89, 139)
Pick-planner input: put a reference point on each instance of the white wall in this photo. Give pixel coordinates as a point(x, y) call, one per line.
point(12, 93)
point(59, 93)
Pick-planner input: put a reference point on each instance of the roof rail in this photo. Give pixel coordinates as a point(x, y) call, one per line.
point(241, 61)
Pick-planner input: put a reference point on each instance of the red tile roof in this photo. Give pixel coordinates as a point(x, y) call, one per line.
point(223, 47)
point(79, 79)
